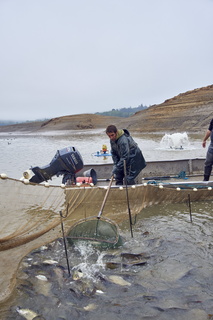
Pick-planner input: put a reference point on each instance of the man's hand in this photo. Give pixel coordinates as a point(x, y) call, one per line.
point(114, 170)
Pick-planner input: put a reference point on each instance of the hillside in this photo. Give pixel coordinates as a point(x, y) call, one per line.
point(71, 122)
point(78, 122)
point(190, 111)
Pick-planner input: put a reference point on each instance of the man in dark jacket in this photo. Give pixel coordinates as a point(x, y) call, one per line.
point(125, 152)
point(209, 155)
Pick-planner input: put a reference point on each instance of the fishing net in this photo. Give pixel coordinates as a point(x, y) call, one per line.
point(102, 233)
point(30, 215)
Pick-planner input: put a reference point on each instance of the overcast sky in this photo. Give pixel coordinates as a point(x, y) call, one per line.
point(63, 57)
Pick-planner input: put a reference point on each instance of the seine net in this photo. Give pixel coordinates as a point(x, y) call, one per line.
point(30, 216)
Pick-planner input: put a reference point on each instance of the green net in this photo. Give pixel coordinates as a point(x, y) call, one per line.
point(101, 232)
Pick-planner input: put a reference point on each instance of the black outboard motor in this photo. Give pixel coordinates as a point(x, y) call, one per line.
point(67, 161)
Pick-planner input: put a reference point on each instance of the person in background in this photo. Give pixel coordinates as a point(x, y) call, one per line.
point(124, 150)
point(104, 148)
point(209, 156)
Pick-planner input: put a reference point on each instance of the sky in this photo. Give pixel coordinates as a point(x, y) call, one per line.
point(65, 57)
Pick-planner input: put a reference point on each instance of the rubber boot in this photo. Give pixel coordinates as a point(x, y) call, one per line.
point(206, 177)
point(119, 183)
point(131, 182)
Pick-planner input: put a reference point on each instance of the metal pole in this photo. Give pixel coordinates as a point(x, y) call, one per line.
point(65, 246)
point(190, 210)
point(127, 197)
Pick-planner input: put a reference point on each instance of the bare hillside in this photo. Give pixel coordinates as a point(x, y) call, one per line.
point(71, 122)
point(190, 111)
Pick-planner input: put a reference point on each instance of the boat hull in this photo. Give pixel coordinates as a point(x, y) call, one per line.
point(153, 168)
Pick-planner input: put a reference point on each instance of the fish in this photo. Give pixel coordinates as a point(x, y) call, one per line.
point(119, 280)
point(50, 261)
point(116, 265)
point(77, 275)
point(59, 274)
point(90, 307)
point(99, 292)
point(126, 260)
point(41, 277)
point(134, 256)
point(113, 265)
point(43, 248)
point(29, 314)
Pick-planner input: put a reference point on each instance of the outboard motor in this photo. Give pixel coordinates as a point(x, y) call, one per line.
point(67, 161)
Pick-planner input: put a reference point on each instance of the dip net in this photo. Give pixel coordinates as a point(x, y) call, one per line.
point(102, 233)
point(30, 216)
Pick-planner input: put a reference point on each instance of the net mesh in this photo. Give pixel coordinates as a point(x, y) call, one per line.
point(103, 232)
point(30, 214)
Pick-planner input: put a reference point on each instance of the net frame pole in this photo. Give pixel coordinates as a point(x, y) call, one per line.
point(65, 245)
point(127, 198)
point(105, 198)
point(190, 208)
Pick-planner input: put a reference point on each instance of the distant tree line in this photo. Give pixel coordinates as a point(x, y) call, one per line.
point(123, 112)
point(11, 122)
point(7, 123)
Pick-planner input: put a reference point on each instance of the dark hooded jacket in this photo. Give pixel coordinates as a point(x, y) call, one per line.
point(125, 148)
point(210, 149)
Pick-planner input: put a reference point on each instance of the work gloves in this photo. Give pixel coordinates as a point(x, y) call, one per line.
point(114, 170)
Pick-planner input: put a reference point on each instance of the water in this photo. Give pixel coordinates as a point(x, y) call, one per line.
point(22, 151)
point(173, 282)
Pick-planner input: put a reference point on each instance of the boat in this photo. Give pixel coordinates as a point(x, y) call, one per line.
point(155, 169)
point(102, 154)
point(32, 209)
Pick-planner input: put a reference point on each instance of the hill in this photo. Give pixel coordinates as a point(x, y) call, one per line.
point(71, 122)
point(78, 122)
point(190, 111)
point(122, 112)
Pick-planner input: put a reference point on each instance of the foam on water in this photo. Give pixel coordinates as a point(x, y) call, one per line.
point(90, 260)
point(175, 141)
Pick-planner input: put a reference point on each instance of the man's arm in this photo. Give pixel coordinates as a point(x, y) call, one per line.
point(207, 135)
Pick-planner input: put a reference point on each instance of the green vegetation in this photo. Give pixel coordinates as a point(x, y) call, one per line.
point(11, 122)
point(7, 123)
point(123, 112)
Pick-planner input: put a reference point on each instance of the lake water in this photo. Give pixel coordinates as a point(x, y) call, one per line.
point(22, 151)
point(174, 279)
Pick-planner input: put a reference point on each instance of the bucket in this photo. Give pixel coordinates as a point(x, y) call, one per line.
point(84, 180)
point(91, 174)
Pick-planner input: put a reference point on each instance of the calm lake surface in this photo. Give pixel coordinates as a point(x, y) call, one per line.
point(22, 151)
point(171, 279)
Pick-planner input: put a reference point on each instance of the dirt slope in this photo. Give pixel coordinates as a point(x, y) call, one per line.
point(190, 111)
point(71, 122)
